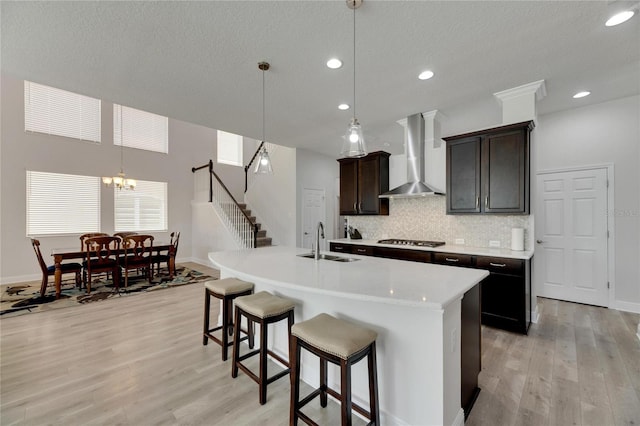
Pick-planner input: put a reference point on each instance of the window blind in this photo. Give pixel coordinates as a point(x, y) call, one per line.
point(144, 209)
point(62, 204)
point(229, 148)
point(58, 112)
point(140, 129)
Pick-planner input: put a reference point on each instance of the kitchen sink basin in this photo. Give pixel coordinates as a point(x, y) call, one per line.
point(328, 257)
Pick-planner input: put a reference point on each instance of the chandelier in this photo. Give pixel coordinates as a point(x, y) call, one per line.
point(120, 181)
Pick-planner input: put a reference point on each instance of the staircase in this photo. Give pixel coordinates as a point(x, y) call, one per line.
point(261, 238)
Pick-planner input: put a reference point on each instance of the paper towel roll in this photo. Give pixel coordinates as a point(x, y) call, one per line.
point(517, 239)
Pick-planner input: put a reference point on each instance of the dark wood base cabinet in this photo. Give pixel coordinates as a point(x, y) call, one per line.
point(506, 293)
point(471, 351)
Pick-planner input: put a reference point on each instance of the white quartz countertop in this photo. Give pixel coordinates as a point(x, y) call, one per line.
point(369, 278)
point(447, 248)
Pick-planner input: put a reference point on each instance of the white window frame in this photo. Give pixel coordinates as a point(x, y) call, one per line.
point(134, 210)
point(142, 129)
point(52, 111)
point(230, 147)
point(61, 204)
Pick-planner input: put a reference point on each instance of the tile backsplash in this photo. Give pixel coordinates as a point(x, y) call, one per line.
point(425, 218)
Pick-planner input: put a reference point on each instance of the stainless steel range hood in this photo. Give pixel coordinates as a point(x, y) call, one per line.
point(415, 186)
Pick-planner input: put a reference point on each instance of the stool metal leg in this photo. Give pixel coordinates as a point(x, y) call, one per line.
point(373, 386)
point(263, 363)
point(345, 392)
point(236, 344)
point(294, 361)
point(207, 306)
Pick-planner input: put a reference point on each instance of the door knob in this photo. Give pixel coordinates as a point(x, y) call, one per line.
point(540, 241)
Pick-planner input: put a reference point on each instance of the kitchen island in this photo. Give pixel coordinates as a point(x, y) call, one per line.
point(415, 309)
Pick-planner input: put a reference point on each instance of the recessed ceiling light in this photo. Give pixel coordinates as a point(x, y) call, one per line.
point(619, 18)
point(425, 75)
point(334, 63)
point(581, 94)
point(343, 107)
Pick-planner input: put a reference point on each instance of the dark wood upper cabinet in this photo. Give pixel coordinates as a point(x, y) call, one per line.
point(362, 180)
point(488, 170)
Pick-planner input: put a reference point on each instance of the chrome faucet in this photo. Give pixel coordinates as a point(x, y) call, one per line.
point(319, 234)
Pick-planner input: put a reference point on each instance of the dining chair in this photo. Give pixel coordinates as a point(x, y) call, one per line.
point(122, 235)
point(90, 235)
point(47, 271)
point(167, 257)
point(102, 256)
point(137, 255)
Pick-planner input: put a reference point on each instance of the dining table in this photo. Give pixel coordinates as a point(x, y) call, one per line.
point(60, 254)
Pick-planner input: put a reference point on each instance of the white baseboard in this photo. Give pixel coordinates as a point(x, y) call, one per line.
point(535, 314)
point(626, 306)
point(459, 420)
point(20, 279)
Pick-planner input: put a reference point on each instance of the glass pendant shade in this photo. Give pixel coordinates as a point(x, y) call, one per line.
point(353, 143)
point(263, 165)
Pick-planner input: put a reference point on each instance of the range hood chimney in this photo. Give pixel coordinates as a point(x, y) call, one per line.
point(414, 147)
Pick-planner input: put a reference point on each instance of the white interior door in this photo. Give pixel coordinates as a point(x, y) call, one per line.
point(313, 211)
point(571, 236)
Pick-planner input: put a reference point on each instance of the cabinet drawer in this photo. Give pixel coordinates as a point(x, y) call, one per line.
point(403, 254)
point(453, 259)
point(340, 248)
point(501, 265)
point(363, 250)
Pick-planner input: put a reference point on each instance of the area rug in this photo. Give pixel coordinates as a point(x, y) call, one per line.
point(25, 298)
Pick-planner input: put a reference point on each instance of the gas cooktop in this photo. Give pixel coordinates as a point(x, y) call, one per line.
point(418, 243)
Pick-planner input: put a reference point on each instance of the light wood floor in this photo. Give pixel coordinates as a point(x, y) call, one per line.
point(139, 360)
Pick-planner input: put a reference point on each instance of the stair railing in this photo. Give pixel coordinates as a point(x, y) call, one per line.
point(244, 230)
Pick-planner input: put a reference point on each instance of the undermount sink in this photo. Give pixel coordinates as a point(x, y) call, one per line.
point(328, 257)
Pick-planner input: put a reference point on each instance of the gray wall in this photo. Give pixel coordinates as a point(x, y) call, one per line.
point(189, 145)
point(608, 132)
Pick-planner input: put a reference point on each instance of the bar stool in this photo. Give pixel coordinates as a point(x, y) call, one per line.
point(262, 308)
point(226, 290)
point(341, 343)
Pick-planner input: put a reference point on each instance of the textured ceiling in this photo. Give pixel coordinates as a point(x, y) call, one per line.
point(197, 61)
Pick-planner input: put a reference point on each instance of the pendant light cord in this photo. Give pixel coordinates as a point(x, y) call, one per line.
point(263, 109)
point(121, 142)
point(354, 62)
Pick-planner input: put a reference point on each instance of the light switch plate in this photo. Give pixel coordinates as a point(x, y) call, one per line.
point(494, 243)
point(460, 241)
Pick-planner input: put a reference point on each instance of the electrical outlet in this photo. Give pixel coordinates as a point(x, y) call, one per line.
point(460, 241)
point(494, 243)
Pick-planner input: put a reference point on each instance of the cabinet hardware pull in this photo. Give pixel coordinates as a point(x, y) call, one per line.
point(499, 265)
point(338, 247)
point(450, 259)
point(355, 206)
point(477, 202)
point(486, 202)
point(360, 207)
point(361, 250)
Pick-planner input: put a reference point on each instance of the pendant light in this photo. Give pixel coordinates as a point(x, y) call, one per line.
point(263, 165)
point(120, 181)
point(353, 143)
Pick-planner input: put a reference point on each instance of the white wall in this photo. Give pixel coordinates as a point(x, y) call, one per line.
point(317, 171)
point(272, 198)
point(604, 133)
point(209, 233)
point(189, 145)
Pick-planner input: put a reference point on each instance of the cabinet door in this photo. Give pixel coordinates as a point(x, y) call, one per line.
point(348, 186)
point(463, 176)
point(505, 172)
point(369, 185)
point(503, 302)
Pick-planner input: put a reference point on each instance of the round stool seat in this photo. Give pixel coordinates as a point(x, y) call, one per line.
point(228, 286)
point(335, 336)
point(264, 304)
